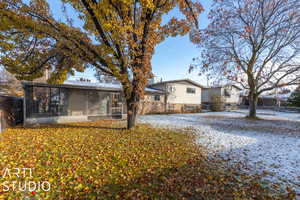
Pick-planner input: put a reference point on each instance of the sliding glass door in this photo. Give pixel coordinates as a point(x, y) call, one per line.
point(117, 103)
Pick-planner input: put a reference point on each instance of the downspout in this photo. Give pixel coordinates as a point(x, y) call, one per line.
point(166, 97)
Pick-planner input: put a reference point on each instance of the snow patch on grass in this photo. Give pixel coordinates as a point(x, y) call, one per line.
point(270, 146)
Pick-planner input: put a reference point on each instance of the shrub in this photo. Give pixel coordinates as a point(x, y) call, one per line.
point(218, 103)
point(294, 99)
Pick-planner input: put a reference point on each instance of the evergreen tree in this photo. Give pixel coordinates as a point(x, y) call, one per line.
point(294, 99)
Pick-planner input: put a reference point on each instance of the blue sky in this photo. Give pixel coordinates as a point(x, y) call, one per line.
point(172, 57)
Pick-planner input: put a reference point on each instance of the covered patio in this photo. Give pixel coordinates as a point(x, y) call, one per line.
point(45, 103)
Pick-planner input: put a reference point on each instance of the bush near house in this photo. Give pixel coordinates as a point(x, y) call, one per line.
point(10, 111)
point(294, 99)
point(100, 160)
point(217, 103)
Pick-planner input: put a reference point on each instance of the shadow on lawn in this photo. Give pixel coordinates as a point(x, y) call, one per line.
point(272, 159)
point(197, 179)
point(272, 126)
point(79, 125)
point(91, 127)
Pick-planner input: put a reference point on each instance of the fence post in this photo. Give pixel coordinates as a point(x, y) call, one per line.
point(1, 121)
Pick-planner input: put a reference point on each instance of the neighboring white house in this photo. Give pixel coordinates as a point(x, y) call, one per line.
point(229, 93)
point(182, 95)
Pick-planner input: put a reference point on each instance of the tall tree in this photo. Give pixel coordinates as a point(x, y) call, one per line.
point(254, 43)
point(118, 37)
point(294, 99)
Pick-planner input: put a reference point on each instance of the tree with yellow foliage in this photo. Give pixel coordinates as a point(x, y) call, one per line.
point(118, 37)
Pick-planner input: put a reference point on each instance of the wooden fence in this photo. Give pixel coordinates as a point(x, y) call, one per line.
point(275, 108)
point(11, 111)
point(2, 126)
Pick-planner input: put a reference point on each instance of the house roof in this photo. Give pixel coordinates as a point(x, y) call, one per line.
point(10, 97)
point(178, 80)
point(277, 96)
point(89, 85)
point(4, 82)
point(224, 86)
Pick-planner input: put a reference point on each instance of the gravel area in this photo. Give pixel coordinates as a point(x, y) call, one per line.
point(270, 146)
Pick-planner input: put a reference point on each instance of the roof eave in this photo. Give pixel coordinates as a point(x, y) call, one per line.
point(71, 86)
point(179, 80)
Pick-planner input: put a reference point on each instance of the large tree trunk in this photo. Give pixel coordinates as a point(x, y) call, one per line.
point(133, 96)
point(253, 98)
point(253, 95)
point(132, 110)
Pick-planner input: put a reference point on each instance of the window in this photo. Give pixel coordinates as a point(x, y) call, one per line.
point(191, 90)
point(98, 103)
point(76, 102)
point(63, 104)
point(190, 108)
point(54, 104)
point(157, 98)
point(117, 104)
point(171, 107)
point(171, 89)
point(51, 101)
point(41, 101)
point(44, 101)
point(227, 93)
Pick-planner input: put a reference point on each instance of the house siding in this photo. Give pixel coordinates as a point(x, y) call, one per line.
point(178, 100)
point(208, 93)
point(149, 105)
point(180, 95)
point(230, 102)
point(234, 97)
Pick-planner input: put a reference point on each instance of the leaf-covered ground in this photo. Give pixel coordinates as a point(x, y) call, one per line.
point(100, 160)
point(268, 146)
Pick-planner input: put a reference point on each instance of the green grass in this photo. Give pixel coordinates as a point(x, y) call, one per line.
point(253, 118)
point(101, 160)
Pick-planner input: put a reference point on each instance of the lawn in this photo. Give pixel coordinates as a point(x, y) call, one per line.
point(268, 146)
point(100, 160)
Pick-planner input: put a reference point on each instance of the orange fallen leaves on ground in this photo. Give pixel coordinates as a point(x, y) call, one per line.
point(100, 160)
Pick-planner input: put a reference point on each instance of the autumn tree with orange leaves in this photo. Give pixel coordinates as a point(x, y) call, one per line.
point(253, 43)
point(118, 37)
